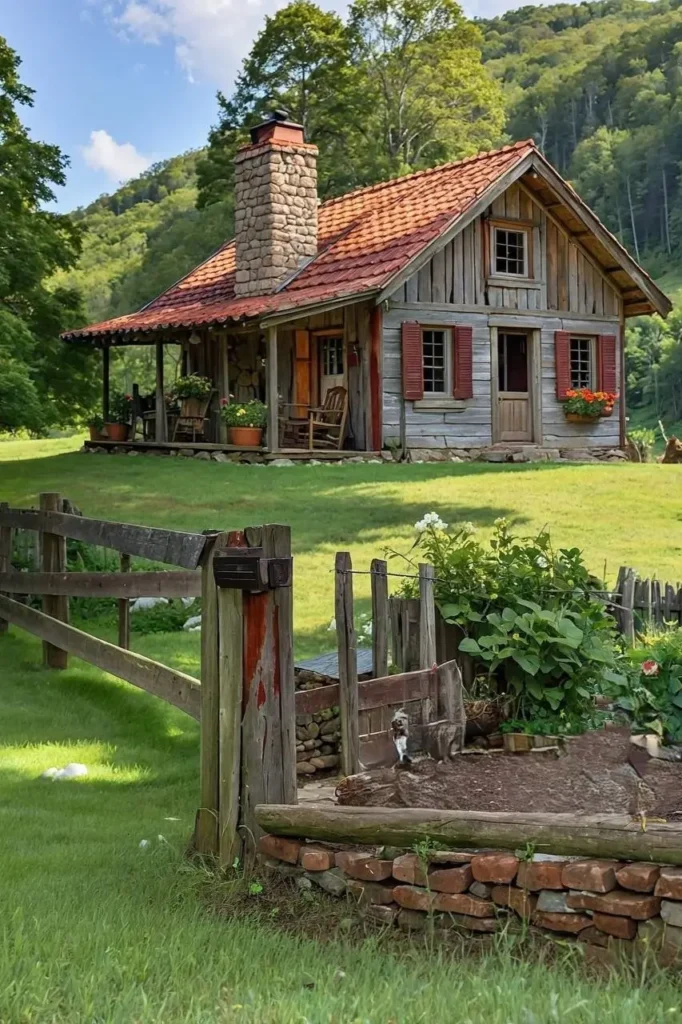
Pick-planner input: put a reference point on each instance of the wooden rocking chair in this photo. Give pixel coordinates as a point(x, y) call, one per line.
point(192, 419)
point(327, 425)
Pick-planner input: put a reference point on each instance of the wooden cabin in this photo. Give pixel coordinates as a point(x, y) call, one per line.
point(455, 306)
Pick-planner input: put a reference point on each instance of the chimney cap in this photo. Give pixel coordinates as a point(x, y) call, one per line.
point(280, 117)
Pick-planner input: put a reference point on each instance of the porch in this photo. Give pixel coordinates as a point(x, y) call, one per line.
point(293, 367)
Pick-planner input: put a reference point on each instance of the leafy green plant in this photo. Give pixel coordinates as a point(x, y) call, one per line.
point(652, 693)
point(583, 402)
point(192, 386)
point(643, 440)
point(246, 414)
point(96, 422)
point(120, 407)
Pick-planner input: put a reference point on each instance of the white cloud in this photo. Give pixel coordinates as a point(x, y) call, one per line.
point(120, 161)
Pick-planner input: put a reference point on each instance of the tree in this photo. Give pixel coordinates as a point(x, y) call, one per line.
point(43, 384)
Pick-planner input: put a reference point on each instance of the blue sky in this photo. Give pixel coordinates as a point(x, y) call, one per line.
point(122, 83)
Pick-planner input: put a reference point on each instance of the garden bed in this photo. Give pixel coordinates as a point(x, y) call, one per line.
point(591, 775)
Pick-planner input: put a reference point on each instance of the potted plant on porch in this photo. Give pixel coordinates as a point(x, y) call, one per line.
point(120, 409)
point(585, 406)
point(191, 392)
point(96, 428)
point(245, 422)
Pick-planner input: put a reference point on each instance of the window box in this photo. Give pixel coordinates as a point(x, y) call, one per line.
point(579, 417)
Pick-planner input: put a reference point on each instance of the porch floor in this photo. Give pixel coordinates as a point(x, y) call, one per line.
point(230, 449)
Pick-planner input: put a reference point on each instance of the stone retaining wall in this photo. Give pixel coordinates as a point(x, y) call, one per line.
point(612, 907)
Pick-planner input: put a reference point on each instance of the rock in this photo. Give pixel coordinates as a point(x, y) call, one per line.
point(553, 902)
point(74, 770)
point(186, 453)
point(204, 456)
point(414, 898)
point(330, 726)
point(382, 915)
point(571, 923)
point(313, 730)
point(356, 458)
point(519, 900)
point(619, 902)
point(280, 848)
point(520, 457)
point(409, 868)
point(639, 877)
point(594, 875)
point(192, 622)
point(282, 462)
point(363, 866)
point(671, 946)
point(302, 882)
point(493, 456)
point(332, 881)
point(669, 883)
point(366, 893)
point(143, 604)
point(49, 773)
point(220, 457)
point(132, 452)
point(428, 455)
point(316, 858)
point(481, 890)
point(325, 761)
point(452, 880)
point(387, 456)
point(671, 912)
point(412, 920)
point(594, 936)
point(619, 927)
point(498, 868)
point(451, 856)
point(536, 875)
point(305, 768)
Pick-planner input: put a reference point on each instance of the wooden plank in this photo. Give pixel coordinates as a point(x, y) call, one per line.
point(171, 685)
point(170, 546)
point(438, 276)
point(427, 628)
point(277, 544)
point(372, 693)
point(124, 608)
point(105, 383)
point(272, 399)
point(160, 420)
point(5, 557)
point(668, 602)
point(656, 604)
point(451, 698)
point(412, 289)
point(616, 836)
point(627, 614)
point(54, 560)
point(104, 584)
point(458, 268)
point(404, 614)
point(230, 620)
point(348, 667)
point(448, 272)
point(379, 578)
point(424, 283)
point(206, 829)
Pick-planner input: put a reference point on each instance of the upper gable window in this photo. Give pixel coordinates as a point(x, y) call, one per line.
point(510, 251)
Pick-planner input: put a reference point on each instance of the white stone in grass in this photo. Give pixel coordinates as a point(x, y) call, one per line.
point(192, 623)
point(49, 773)
point(74, 770)
point(144, 843)
point(187, 601)
point(143, 604)
point(194, 629)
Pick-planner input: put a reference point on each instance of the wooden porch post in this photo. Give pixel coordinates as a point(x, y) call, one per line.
point(272, 391)
point(160, 421)
point(105, 383)
point(375, 381)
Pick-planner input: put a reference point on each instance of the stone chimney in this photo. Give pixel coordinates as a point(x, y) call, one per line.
point(275, 205)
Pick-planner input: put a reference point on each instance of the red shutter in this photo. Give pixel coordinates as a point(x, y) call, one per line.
point(607, 362)
point(562, 358)
point(413, 362)
point(463, 362)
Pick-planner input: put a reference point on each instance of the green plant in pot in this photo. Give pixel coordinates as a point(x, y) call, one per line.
point(96, 427)
point(192, 393)
point(584, 406)
point(120, 412)
point(245, 422)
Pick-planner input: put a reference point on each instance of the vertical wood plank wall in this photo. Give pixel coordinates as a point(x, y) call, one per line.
point(567, 293)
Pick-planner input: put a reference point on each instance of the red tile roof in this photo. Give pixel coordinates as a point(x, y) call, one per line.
point(364, 239)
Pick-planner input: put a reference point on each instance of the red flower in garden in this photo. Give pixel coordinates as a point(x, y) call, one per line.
point(650, 667)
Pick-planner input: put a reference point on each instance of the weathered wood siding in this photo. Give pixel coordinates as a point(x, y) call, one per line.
point(563, 277)
point(567, 292)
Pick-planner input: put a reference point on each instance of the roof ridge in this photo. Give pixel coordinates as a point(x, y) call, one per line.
point(378, 185)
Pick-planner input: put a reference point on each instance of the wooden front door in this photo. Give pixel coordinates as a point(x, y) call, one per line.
point(331, 363)
point(514, 405)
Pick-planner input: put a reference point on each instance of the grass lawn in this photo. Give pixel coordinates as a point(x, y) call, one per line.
point(95, 929)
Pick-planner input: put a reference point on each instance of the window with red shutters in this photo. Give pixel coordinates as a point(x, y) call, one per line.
point(562, 360)
point(463, 363)
point(413, 365)
point(608, 350)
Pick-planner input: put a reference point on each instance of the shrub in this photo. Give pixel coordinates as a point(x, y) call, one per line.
point(653, 692)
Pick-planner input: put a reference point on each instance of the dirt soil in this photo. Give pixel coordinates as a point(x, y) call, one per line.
point(591, 776)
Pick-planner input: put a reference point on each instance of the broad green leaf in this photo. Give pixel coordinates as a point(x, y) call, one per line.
point(470, 646)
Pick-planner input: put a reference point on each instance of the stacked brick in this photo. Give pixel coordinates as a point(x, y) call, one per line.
point(612, 907)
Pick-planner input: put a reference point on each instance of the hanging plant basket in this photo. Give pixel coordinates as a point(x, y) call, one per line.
point(579, 417)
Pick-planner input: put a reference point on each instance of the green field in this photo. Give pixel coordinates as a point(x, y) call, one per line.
point(95, 929)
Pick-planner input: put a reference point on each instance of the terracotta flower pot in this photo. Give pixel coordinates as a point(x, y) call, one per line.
point(96, 434)
point(246, 437)
point(607, 410)
point(578, 417)
point(117, 431)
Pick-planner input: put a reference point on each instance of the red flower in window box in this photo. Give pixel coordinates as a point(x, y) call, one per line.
point(585, 406)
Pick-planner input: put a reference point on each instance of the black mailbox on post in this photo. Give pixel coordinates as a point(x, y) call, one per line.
point(247, 569)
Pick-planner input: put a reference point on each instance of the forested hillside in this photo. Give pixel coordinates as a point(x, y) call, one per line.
point(597, 85)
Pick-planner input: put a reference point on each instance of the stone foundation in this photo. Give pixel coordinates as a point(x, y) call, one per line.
point(612, 908)
point(516, 453)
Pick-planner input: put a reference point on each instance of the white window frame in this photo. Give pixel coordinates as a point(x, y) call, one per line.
point(516, 229)
point(447, 360)
point(593, 368)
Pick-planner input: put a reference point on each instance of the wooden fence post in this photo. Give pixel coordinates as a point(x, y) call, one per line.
point(124, 610)
point(5, 556)
point(451, 698)
point(268, 761)
point(54, 560)
point(348, 665)
point(379, 578)
point(627, 614)
point(230, 621)
point(206, 831)
point(427, 628)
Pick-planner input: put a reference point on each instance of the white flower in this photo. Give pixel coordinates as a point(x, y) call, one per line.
point(367, 629)
point(468, 529)
point(431, 520)
point(332, 626)
point(500, 522)
point(541, 562)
